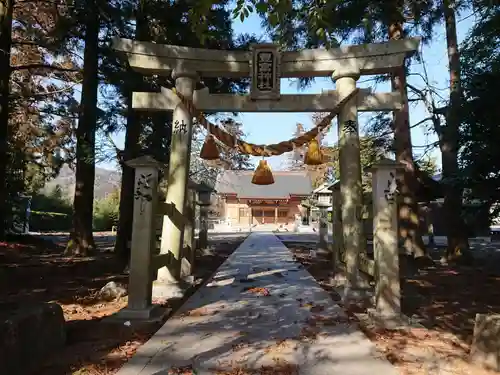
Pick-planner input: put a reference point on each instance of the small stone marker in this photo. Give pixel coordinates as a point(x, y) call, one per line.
point(385, 239)
point(143, 238)
point(485, 349)
point(188, 255)
point(338, 236)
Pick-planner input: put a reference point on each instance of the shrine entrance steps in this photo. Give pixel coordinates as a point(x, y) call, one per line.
point(261, 308)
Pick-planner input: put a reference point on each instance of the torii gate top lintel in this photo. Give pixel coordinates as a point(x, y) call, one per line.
point(161, 59)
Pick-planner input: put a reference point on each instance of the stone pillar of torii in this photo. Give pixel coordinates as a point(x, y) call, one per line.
point(265, 65)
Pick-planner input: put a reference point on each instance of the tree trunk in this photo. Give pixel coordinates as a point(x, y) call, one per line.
point(409, 223)
point(82, 239)
point(6, 10)
point(457, 236)
point(131, 151)
point(161, 134)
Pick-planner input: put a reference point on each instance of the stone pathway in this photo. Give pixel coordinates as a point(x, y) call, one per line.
point(286, 323)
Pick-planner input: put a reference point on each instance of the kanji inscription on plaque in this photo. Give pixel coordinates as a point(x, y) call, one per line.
point(265, 72)
point(265, 68)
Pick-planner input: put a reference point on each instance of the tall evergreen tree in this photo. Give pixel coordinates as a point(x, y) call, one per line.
point(458, 244)
point(36, 84)
point(132, 144)
point(82, 239)
point(6, 11)
point(480, 133)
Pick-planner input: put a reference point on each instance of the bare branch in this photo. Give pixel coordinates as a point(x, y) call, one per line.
point(44, 66)
point(389, 132)
point(40, 94)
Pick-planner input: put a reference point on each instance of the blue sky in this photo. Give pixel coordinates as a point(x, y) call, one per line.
point(266, 128)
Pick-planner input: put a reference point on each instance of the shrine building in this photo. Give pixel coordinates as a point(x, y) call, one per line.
point(245, 203)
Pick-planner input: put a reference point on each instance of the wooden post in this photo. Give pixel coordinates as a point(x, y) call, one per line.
point(385, 239)
point(143, 238)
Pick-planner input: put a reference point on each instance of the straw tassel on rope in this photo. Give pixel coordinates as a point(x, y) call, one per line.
point(210, 150)
point(263, 174)
point(314, 156)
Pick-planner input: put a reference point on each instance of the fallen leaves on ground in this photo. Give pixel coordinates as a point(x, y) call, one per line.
point(319, 320)
point(309, 333)
point(314, 308)
point(278, 346)
point(258, 291)
point(77, 311)
point(201, 311)
point(421, 352)
point(239, 346)
point(38, 272)
point(184, 370)
point(280, 367)
point(451, 298)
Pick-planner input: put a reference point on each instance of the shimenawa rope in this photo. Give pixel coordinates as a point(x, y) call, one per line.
point(261, 150)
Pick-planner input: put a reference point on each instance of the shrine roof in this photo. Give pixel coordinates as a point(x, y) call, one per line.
point(285, 184)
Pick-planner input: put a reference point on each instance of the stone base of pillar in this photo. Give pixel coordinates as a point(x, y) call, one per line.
point(154, 313)
point(199, 245)
point(339, 279)
point(166, 290)
point(186, 268)
point(351, 295)
point(391, 321)
point(362, 292)
point(323, 250)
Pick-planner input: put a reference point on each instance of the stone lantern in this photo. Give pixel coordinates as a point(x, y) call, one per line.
point(204, 201)
point(323, 226)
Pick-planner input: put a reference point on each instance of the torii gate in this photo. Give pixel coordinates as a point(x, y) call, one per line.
point(265, 64)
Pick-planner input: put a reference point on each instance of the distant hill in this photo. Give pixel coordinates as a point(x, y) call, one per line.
point(106, 181)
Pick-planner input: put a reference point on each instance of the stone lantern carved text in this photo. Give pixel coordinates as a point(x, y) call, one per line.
point(143, 191)
point(323, 223)
point(392, 188)
point(265, 72)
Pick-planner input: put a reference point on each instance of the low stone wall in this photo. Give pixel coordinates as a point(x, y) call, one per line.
point(28, 335)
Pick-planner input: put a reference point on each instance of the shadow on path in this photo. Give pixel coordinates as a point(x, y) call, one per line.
point(261, 313)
